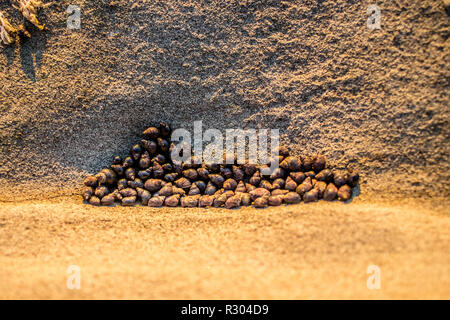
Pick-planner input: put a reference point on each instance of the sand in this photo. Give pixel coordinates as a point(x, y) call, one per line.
point(318, 251)
point(375, 100)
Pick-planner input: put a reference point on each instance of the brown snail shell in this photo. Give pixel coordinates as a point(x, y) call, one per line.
point(311, 196)
point(164, 129)
point(330, 192)
point(151, 132)
point(261, 202)
point(172, 201)
point(176, 190)
point(298, 176)
point(145, 161)
point(275, 200)
point(249, 169)
point(201, 185)
point(241, 187)
point(194, 190)
point(205, 201)
point(233, 202)
point(320, 186)
point(101, 191)
point(171, 177)
point(279, 192)
point(87, 193)
point(352, 178)
point(255, 179)
point(163, 144)
point(203, 173)
point(220, 200)
point(325, 175)
point(226, 173)
point(130, 174)
point(210, 189)
point(238, 173)
point(158, 171)
point(153, 185)
point(183, 183)
point(156, 201)
point(249, 187)
point(230, 184)
point(129, 201)
point(319, 163)
point(307, 163)
point(246, 199)
point(258, 193)
point(304, 187)
point(108, 200)
point(167, 190)
point(291, 163)
point(344, 193)
point(136, 151)
point(290, 184)
point(144, 174)
point(94, 200)
point(292, 198)
point(128, 192)
point(122, 184)
point(266, 185)
point(278, 183)
point(217, 179)
point(190, 201)
point(191, 174)
point(145, 196)
point(340, 178)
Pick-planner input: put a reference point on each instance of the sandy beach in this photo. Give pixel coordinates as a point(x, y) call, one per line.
point(375, 100)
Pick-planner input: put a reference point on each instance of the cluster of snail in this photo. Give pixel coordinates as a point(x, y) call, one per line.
point(149, 176)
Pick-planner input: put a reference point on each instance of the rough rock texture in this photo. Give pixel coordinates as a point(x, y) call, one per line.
point(376, 99)
point(69, 100)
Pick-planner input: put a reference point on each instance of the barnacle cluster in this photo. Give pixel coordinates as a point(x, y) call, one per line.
point(148, 175)
point(7, 31)
point(29, 8)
